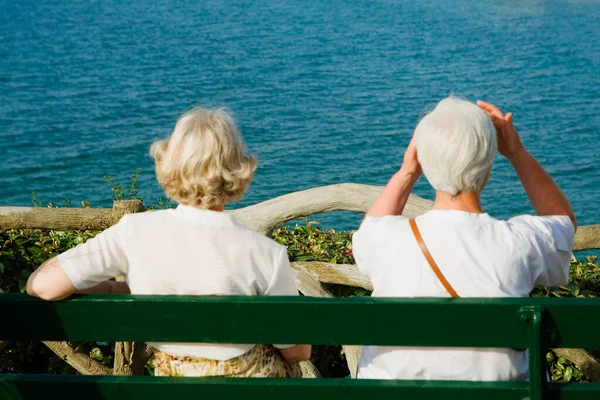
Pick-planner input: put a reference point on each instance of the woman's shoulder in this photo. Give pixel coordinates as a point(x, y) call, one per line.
point(254, 239)
point(549, 224)
point(381, 223)
point(148, 215)
point(551, 228)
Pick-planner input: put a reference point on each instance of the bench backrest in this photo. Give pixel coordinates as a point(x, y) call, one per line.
point(536, 324)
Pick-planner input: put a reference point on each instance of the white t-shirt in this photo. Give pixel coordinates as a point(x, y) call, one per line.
point(480, 257)
point(185, 251)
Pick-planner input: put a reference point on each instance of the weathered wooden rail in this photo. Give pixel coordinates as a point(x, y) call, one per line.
point(535, 324)
point(262, 217)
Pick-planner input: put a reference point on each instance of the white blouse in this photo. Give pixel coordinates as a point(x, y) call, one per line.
point(184, 251)
point(480, 256)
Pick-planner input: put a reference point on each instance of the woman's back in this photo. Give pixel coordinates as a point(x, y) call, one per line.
point(480, 257)
point(189, 251)
point(185, 251)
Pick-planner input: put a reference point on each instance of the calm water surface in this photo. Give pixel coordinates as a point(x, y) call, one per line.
point(324, 92)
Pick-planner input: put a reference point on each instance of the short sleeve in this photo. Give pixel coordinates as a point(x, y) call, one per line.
point(282, 282)
point(99, 259)
point(366, 240)
point(550, 243)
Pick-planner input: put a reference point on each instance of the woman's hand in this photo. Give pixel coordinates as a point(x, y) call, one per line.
point(411, 165)
point(545, 196)
point(393, 198)
point(509, 143)
point(297, 353)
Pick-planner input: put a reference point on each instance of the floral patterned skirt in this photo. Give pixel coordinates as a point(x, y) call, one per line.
point(262, 361)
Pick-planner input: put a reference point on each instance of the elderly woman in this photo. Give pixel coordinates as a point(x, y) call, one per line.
point(457, 249)
point(195, 249)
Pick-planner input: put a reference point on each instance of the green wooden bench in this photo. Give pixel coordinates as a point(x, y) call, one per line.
point(537, 324)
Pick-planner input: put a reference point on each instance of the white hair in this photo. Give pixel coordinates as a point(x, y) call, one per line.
point(204, 162)
point(456, 145)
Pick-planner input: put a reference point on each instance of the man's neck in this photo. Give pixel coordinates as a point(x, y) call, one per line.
point(467, 201)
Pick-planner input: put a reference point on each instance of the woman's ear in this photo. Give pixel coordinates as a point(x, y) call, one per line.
point(487, 177)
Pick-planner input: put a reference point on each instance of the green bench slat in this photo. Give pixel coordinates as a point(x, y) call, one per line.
point(143, 388)
point(35, 387)
point(408, 322)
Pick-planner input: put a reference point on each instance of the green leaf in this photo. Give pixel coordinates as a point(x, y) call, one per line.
point(568, 374)
point(1, 268)
point(96, 354)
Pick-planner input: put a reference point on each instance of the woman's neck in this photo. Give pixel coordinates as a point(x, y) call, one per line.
point(216, 208)
point(467, 201)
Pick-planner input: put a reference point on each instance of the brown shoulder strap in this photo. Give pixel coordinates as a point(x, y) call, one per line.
point(432, 264)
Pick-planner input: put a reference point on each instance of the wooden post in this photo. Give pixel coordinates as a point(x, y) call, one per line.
point(130, 357)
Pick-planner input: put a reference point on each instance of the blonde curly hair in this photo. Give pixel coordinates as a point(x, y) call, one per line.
point(204, 162)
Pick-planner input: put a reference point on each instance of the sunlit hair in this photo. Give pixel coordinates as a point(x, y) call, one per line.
point(456, 146)
point(204, 162)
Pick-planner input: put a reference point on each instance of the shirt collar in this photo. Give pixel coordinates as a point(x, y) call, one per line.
point(456, 214)
point(205, 217)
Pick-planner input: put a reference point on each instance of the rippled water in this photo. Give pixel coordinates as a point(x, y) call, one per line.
point(324, 92)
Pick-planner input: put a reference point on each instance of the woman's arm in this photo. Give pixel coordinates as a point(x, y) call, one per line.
point(50, 282)
point(107, 287)
point(394, 196)
point(87, 267)
point(297, 353)
point(544, 194)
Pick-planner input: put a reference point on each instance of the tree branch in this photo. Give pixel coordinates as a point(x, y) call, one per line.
point(93, 219)
point(341, 274)
point(130, 358)
point(584, 361)
point(263, 217)
point(80, 361)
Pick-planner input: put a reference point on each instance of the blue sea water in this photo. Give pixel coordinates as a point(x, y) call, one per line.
point(324, 92)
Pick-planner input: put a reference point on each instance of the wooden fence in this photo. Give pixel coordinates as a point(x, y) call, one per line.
point(262, 217)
